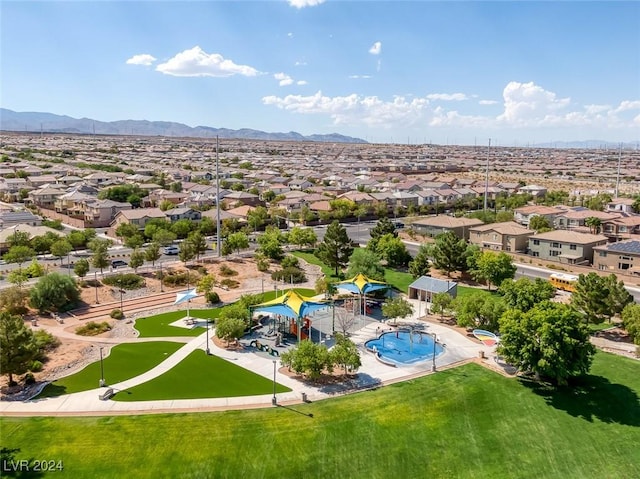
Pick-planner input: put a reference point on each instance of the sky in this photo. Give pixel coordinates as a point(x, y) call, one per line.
point(513, 73)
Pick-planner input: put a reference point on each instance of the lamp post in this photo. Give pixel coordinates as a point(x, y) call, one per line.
point(274, 401)
point(68, 265)
point(102, 383)
point(435, 342)
point(207, 328)
point(161, 279)
point(95, 283)
point(121, 303)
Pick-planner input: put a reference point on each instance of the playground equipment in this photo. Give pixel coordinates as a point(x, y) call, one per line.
point(486, 337)
point(304, 331)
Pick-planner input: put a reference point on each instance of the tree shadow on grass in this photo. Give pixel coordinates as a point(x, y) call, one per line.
point(12, 466)
point(591, 397)
point(51, 390)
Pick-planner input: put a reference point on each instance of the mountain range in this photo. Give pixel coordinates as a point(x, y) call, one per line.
point(48, 122)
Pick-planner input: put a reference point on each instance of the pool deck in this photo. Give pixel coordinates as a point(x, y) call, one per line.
point(371, 374)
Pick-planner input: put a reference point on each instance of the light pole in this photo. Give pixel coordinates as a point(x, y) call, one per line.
point(102, 383)
point(121, 304)
point(68, 265)
point(161, 279)
point(95, 283)
point(207, 327)
point(274, 401)
point(435, 342)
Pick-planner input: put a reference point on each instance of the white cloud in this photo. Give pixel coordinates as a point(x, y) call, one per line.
point(300, 63)
point(283, 79)
point(357, 77)
point(301, 82)
point(354, 109)
point(447, 96)
point(526, 105)
point(290, 34)
point(142, 59)
point(376, 48)
point(527, 102)
point(304, 3)
point(197, 63)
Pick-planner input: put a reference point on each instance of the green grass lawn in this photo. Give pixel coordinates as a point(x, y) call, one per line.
point(201, 376)
point(464, 291)
point(310, 258)
point(461, 423)
point(125, 361)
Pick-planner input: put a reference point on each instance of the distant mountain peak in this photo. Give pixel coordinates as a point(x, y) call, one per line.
point(49, 122)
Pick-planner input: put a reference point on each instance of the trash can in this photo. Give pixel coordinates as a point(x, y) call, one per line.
point(304, 397)
point(34, 322)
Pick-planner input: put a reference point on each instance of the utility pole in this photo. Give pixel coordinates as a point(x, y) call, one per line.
point(618, 175)
point(218, 244)
point(486, 179)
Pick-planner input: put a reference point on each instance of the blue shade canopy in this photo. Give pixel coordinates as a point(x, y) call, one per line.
point(185, 296)
point(361, 284)
point(291, 305)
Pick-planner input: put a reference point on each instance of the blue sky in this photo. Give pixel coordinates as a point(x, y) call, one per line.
point(384, 71)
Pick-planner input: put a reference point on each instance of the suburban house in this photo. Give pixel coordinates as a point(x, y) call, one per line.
point(507, 236)
point(239, 198)
point(100, 213)
point(620, 205)
point(44, 197)
point(575, 218)
point(620, 257)
point(138, 217)
point(523, 215)
point(17, 218)
point(621, 228)
point(565, 246)
point(434, 225)
point(175, 214)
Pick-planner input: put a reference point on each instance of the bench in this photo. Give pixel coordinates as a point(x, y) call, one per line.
point(109, 392)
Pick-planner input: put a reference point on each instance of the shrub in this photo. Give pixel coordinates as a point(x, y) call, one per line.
point(116, 314)
point(93, 329)
point(45, 342)
point(125, 281)
point(289, 275)
point(175, 279)
point(202, 270)
point(35, 366)
point(212, 297)
point(227, 271)
point(229, 283)
point(262, 264)
point(29, 378)
point(290, 261)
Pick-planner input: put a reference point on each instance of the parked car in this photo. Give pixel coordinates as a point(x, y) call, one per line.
point(171, 250)
point(116, 263)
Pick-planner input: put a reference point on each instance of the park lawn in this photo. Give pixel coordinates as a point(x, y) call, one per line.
point(310, 258)
point(125, 361)
point(201, 376)
point(466, 422)
point(398, 280)
point(464, 291)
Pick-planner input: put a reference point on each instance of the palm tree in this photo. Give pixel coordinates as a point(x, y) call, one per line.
point(593, 223)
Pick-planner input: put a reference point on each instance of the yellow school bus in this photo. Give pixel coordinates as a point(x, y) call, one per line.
point(563, 281)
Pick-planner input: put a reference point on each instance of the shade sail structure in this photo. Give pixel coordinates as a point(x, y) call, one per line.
point(361, 284)
point(291, 305)
point(185, 296)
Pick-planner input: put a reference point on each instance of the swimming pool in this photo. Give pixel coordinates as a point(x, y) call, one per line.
point(403, 348)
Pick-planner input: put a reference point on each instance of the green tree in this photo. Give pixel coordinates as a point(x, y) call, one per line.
point(420, 266)
point(136, 259)
point(61, 248)
point(271, 243)
point(493, 268)
point(182, 228)
point(524, 294)
point(198, 242)
point(18, 238)
point(228, 328)
point(345, 354)
point(207, 226)
point(479, 311)
point(206, 283)
point(121, 193)
point(77, 239)
point(391, 249)
point(54, 292)
point(336, 248)
point(397, 307)
point(599, 298)
point(163, 237)
point(540, 224)
point(549, 340)
point(81, 268)
point(366, 262)
point(135, 241)
point(42, 244)
point(237, 241)
point(257, 218)
point(449, 253)
point(631, 321)
point(302, 237)
point(34, 270)
point(13, 300)
point(187, 252)
point(100, 256)
point(383, 227)
point(17, 346)
point(18, 254)
point(441, 303)
point(594, 224)
point(152, 253)
point(126, 230)
point(307, 358)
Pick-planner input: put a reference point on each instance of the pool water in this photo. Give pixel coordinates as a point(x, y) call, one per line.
point(404, 347)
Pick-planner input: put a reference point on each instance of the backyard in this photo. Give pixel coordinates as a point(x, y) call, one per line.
point(466, 422)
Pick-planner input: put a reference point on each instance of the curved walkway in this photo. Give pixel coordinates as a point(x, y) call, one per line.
point(372, 373)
